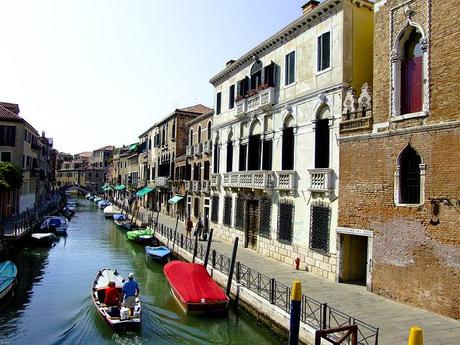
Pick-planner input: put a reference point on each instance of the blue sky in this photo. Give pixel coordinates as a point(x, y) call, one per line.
point(98, 72)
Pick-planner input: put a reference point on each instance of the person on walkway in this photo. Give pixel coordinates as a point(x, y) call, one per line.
point(130, 292)
point(189, 227)
point(199, 227)
point(112, 295)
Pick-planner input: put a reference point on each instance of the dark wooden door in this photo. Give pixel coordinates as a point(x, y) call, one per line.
point(252, 224)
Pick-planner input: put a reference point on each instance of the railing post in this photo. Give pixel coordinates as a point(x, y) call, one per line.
point(238, 273)
point(323, 315)
point(213, 258)
point(272, 290)
point(208, 248)
point(232, 264)
point(182, 240)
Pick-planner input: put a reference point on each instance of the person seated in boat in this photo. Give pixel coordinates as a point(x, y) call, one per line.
point(130, 292)
point(112, 295)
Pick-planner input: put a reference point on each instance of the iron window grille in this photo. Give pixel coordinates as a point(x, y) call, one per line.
point(215, 209)
point(285, 221)
point(319, 228)
point(265, 217)
point(228, 210)
point(239, 213)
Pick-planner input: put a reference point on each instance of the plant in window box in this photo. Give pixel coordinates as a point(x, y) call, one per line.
point(251, 93)
point(262, 87)
point(239, 98)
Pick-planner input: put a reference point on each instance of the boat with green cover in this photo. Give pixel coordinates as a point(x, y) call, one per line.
point(142, 236)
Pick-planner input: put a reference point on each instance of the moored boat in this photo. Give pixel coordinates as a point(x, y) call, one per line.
point(141, 236)
point(117, 318)
point(43, 238)
point(55, 224)
point(194, 288)
point(109, 211)
point(160, 253)
point(8, 274)
point(103, 204)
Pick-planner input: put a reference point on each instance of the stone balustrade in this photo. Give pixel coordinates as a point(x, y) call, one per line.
point(320, 180)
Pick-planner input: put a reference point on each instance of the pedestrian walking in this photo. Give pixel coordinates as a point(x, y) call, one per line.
point(189, 227)
point(199, 227)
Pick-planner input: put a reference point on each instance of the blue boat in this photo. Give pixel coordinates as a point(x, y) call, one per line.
point(160, 253)
point(8, 274)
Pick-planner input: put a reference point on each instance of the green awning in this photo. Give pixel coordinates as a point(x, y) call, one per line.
point(144, 191)
point(175, 199)
point(106, 188)
point(133, 147)
point(120, 187)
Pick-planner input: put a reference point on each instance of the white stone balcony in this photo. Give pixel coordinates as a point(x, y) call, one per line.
point(207, 146)
point(261, 99)
point(286, 180)
point(205, 186)
point(320, 180)
point(188, 186)
point(196, 186)
point(259, 179)
point(215, 180)
point(197, 149)
point(189, 150)
point(161, 181)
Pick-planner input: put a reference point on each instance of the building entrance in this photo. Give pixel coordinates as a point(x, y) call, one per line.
point(354, 259)
point(252, 224)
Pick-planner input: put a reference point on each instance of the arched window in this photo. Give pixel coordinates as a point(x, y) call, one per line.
point(209, 130)
point(409, 171)
point(230, 153)
point(191, 137)
point(199, 134)
point(256, 74)
point(254, 146)
point(322, 138)
point(287, 158)
point(409, 59)
point(412, 74)
point(216, 156)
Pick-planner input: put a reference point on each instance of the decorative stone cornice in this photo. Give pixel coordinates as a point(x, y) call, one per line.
point(285, 35)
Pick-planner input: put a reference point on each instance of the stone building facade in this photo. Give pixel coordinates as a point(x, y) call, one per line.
point(399, 223)
point(275, 169)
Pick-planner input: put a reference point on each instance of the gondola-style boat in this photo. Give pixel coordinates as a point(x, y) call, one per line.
point(117, 318)
point(194, 288)
point(160, 253)
point(8, 274)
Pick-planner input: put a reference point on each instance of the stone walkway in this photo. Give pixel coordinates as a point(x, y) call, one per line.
point(394, 319)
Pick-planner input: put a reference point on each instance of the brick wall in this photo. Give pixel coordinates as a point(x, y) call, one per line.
point(414, 261)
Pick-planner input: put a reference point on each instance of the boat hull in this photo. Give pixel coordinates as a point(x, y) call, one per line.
point(8, 275)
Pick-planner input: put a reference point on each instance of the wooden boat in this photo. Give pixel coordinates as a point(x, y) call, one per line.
point(141, 236)
point(43, 238)
point(8, 274)
point(124, 224)
point(194, 288)
point(113, 316)
point(55, 224)
point(160, 253)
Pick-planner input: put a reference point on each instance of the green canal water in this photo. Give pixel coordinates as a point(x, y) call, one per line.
point(52, 303)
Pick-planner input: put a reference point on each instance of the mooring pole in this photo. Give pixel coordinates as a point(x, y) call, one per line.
point(296, 303)
point(232, 266)
point(196, 246)
point(208, 248)
point(175, 231)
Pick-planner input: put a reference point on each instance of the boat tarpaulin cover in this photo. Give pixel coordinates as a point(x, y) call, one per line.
point(144, 191)
point(133, 147)
point(175, 199)
point(193, 283)
point(120, 187)
point(119, 216)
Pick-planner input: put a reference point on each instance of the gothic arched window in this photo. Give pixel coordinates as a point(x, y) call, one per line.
point(409, 177)
point(412, 74)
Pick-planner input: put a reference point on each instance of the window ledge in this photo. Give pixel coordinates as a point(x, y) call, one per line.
point(289, 85)
point(408, 205)
point(318, 73)
point(403, 117)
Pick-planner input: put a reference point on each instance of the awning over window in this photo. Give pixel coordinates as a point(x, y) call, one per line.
point(120, 187)
point(175, 199)
point(106, 188)
point(144, 191)
point(133, 147)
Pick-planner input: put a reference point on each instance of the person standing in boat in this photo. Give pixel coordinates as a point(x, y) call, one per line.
point(189, 227)
point(130, 292)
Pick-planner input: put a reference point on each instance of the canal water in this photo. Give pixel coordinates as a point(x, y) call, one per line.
point(52, 303)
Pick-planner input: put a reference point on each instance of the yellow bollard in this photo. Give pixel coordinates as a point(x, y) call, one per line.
point(415, 336)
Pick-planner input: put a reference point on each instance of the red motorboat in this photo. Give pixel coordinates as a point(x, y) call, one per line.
point(194, 288)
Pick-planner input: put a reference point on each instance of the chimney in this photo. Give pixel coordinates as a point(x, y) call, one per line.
point(309, 6)
point(229, 62)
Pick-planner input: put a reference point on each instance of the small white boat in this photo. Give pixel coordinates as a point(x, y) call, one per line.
point(87, 196)
point(115, 317)
point(56, 224)
point(109, 211)
point(44, 238)
point(71, 206)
